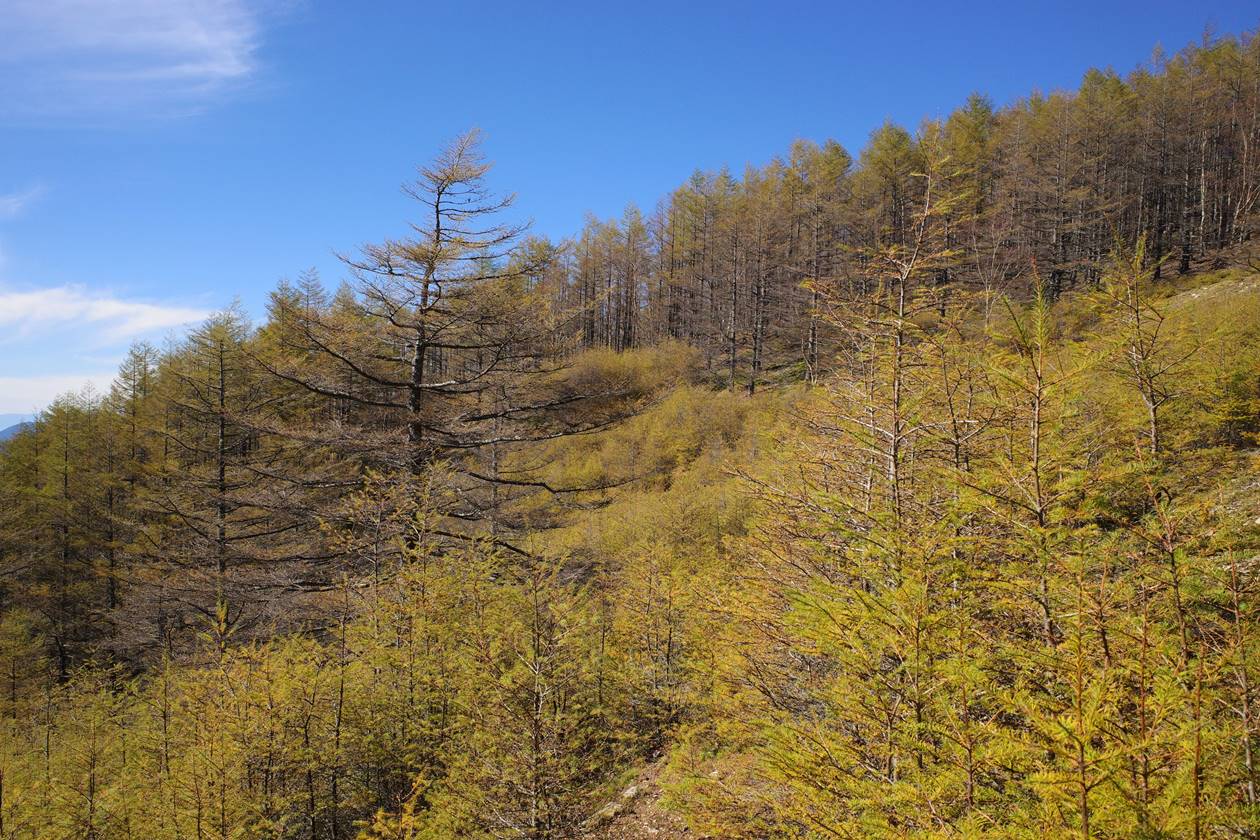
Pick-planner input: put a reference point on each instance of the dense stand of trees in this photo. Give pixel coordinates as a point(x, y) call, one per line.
point(446, 552)
point(728, 263)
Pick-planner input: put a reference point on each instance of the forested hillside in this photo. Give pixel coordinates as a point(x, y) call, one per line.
point(906, 495)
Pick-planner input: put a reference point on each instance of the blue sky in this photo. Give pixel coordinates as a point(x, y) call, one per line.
point(159, 158)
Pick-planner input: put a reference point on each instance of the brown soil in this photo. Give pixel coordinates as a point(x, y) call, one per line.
point(636, 813)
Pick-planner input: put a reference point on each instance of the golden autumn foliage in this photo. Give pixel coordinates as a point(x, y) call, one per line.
point(904, 497)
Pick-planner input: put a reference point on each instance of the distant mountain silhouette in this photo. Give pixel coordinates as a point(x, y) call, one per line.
point(12, 431)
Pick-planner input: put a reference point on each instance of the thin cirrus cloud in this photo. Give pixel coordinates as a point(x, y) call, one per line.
point(88, 57)
point(25, 314)
point(13, 204)
point(61, 339)
point(28, 395)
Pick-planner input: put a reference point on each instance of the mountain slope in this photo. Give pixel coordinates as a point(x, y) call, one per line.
point(12, 431)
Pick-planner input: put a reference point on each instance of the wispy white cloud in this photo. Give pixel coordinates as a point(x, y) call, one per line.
point(58, 340)
point(108, 318)
point(12, 204)
point(75, 57)
point(32, 394)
